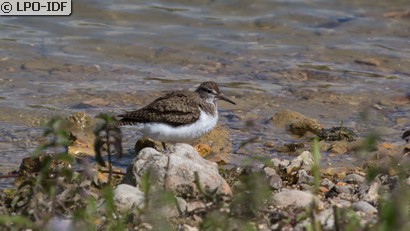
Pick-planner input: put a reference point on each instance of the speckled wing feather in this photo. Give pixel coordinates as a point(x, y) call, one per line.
point(175, 108)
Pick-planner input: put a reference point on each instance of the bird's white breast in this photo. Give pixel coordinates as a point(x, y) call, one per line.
point(179, 134)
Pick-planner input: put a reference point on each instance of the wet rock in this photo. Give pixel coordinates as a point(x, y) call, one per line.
point(96, 102)
point(35, 164)
point(364, 207)
point(354, 178)
point(289, 147)
point(303, 161)
point(397, 14)
point(292, 147)
point(301, 127)
point(337, 134)
point(176, 170)
point(368, 61)
point(339, 147)
point(52, 66)
point(219, 141)
point(295, 198)
point(81, 127)
point(295, 122)
point(127, 198)
point(406, 136)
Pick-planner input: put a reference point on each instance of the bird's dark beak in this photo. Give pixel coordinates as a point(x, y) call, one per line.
point(222, 97)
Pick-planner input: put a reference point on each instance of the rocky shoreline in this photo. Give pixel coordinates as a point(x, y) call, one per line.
point(178, 189)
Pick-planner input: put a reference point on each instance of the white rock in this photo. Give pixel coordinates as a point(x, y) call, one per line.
point(326, 219)
point(175, 171)
point(167, 208)
point(340, 203)
point(128, 197)
point(195, 205)
point(364, 207)
point(303, 161)
point(295, 198)
point(186, 227)
point(373, 194)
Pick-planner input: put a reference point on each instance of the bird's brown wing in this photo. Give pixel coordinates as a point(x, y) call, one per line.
point(184, 111)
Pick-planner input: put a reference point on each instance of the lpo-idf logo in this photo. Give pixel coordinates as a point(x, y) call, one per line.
point(35, 7)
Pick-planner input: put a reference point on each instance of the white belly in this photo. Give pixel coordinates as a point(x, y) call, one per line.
point(180, 134)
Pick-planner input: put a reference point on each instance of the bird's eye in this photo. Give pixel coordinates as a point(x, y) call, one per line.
point(209, 91)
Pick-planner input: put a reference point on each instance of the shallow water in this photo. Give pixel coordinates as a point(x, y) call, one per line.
point(330, 60)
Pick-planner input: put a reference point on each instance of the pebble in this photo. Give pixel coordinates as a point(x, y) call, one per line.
point(327, 183)
point(365, 207)
point(269, 171)
point(340, 203)
point(275, 182)
point(295, 198)
point(304, 177)
point(348, 189)
point(279, 163)
point(354, 178)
